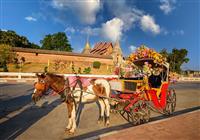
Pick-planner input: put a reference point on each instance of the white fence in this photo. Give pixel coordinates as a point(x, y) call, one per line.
point(23, 77)
point(189, 79)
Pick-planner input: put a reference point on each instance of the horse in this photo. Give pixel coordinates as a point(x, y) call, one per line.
point(98, 91)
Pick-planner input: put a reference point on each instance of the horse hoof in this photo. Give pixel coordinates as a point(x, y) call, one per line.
point(107, 124)
point(67, 129)
point(71, 132)
point(99, 122)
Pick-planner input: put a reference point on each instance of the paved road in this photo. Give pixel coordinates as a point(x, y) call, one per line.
point(185, 126)
point(20, 119)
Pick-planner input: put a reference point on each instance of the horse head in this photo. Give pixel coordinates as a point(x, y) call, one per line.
point(41, 86)
point(57, 83)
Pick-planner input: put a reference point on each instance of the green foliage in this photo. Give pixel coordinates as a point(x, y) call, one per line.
point(45, 69)
point(96, 64)
point(73, 68)
point(5, 68)
point(34, 46)
point(17, 66)
point(87, 70)
point(79, 70)
point(6, 54)
point(11, 38)
point(164, 53)
point(57, 41)
point(176, 58)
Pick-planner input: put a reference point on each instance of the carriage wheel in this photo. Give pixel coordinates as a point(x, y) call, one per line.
point(171, 102)
point(146, 114)
point(140, 113)
point(136, 118)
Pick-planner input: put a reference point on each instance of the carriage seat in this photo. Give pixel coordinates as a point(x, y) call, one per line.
point(155, 81)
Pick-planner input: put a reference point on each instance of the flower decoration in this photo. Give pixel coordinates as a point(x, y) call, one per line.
point(144, 52)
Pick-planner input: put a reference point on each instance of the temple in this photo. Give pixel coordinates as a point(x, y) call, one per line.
point(105, 49)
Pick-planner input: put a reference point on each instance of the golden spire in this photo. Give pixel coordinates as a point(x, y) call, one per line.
point(87, 48)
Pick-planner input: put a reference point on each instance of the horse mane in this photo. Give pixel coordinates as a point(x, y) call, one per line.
point(54, 75)
point(55, 78)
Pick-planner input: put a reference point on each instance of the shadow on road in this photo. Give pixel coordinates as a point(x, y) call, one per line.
point(16, 125)
point(95, 134)
point(13, 104)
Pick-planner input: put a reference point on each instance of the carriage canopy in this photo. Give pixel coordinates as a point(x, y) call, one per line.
point(144, 54)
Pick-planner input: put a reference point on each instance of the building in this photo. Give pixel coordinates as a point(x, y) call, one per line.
point(102, 48)
point(117, 54)
point(87, 48)
point(106, 49)
point(104, 52)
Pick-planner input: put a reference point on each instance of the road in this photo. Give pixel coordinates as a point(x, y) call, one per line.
point(20, 119)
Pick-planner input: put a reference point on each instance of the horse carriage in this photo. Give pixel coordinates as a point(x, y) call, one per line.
point(134, 96)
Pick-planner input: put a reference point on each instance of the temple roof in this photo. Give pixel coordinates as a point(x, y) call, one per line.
point(101, 48)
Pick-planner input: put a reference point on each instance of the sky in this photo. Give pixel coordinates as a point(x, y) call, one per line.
point(156, 23)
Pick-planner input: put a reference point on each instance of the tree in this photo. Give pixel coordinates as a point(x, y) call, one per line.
point(6, 55)
point(57, 41)
point(164, 53)
point(11, 38)
point(176, 58)
point(96, 64)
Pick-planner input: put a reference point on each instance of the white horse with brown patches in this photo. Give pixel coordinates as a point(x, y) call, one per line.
point(97, 91)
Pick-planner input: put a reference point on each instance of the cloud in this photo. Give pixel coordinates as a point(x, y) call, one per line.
point(5, 30)
point(132, 48)
point(85, 10)
point(129, 15)
point(132, 16)
point(70, 29)
point(148, 24)
point(167, 6)
point(91, 31)
point(112, 29)
point(178, 32)
point(29, 18)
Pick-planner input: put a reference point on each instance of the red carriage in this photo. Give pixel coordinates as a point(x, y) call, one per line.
point(136, 96)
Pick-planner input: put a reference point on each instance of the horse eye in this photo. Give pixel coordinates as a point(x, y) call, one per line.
point(42, 81)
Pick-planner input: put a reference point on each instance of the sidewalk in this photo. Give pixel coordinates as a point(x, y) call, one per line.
point(183, 127)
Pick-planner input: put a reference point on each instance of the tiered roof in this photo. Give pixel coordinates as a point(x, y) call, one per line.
point(101, 48)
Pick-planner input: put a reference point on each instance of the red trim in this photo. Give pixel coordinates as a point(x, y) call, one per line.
point(162, 102)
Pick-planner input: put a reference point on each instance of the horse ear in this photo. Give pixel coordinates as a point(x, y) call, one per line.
point(43, 75)
point(37, 75)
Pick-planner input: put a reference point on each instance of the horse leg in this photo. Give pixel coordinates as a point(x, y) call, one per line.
point(73, 117)
point(69, 109)
point(107, 109)
point(102, 110)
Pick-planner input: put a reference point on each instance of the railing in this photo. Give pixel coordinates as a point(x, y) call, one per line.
point(189, 79)
point(32, 76)
point(5, 76)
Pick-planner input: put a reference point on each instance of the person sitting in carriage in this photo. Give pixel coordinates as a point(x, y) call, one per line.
point(155, 79)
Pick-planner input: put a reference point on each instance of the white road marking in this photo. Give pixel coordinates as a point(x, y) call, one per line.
point(14, 113)
point(13, 134)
